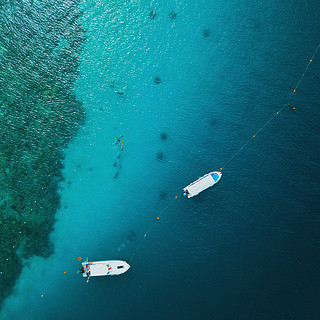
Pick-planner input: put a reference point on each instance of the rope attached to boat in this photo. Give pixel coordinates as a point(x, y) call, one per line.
point(278, 112)
point(151, 225)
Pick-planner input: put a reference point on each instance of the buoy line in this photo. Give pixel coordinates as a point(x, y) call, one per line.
point(277, 113)
point(151, 225)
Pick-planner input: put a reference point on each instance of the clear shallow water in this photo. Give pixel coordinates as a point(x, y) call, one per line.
point(246, 249)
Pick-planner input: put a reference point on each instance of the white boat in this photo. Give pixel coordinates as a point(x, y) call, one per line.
point(104, 268)
point(208, 180)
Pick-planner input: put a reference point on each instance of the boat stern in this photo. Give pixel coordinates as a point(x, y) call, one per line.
point(186, 192)
point(104, 268)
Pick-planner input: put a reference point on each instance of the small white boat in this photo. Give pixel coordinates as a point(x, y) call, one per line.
point(104, 268)
point(208, 180)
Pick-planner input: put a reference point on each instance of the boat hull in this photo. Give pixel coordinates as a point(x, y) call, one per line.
point(105, 268)
point(203, 183)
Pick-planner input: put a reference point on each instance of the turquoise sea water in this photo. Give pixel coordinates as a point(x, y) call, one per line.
point(245, 249)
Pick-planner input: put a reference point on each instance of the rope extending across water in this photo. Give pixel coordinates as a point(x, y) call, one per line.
point(277, 113)
point(149, 228)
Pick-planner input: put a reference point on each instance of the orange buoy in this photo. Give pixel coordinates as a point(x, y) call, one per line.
point(79, 258)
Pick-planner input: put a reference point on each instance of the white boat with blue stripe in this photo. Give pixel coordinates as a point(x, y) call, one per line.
point(203, 183)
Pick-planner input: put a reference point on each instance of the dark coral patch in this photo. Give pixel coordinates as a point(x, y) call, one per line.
point(206, 33)
point(157, 80)
point(152, 14)
point(172, 15)
point(131, 236)
point(162, 195)
point(163, 136)
point(160, 156)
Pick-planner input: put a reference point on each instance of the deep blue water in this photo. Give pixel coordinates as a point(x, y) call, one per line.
point(247, 248)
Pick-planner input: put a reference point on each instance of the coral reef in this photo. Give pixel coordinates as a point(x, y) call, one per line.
point(40, 46)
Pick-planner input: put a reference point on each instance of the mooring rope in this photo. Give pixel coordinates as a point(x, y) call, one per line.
point(151, 225)
point(277, 113)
